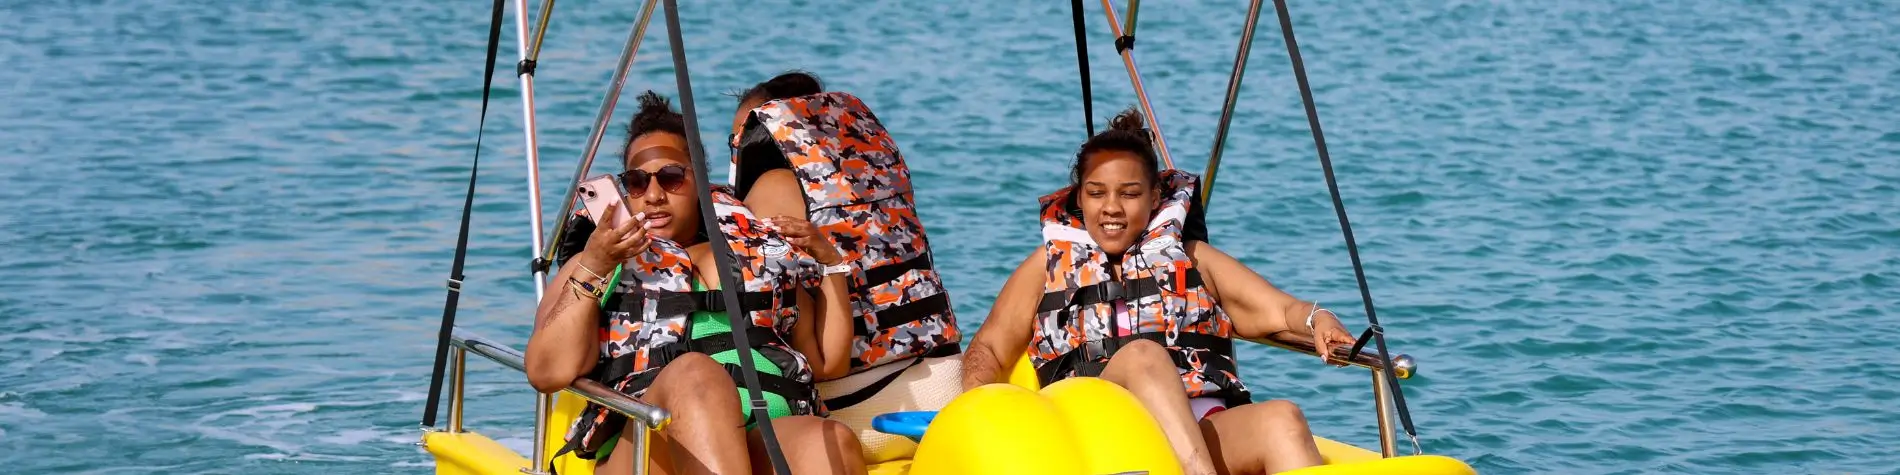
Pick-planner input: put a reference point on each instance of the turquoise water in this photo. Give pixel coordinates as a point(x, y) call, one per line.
point(1620, 237)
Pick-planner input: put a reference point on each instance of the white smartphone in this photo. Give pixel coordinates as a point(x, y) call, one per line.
point(596, 192)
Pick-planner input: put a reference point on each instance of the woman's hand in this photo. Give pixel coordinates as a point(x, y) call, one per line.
point(609, 246)
point(801, 233)
point(1327, 332)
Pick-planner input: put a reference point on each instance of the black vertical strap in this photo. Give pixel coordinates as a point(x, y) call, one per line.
point(724, 260)
point(461, 238)
point(1373, 329)
point(1082, 61)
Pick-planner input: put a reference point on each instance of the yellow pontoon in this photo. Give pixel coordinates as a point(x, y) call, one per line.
point(986, 430)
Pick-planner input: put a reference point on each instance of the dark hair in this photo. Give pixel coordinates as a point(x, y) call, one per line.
point(757, 158)
point(788, 85)
point(1126, 133)
point(656, 114)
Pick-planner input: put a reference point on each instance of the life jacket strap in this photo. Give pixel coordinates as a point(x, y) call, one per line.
point(681, 303)
point(1092, 358)
point(877, 276)
point(1111, 291)
point(899, 315)
point(904, 314)
point(712, 344)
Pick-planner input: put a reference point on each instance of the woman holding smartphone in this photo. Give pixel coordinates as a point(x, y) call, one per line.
point(638, 309)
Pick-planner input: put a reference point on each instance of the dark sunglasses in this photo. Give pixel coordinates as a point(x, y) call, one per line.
point(671, 177)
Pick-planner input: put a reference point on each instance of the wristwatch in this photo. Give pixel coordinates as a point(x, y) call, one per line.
point(841, 268)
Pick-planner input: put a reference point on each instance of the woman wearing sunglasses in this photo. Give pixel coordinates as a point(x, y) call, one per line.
point(799, 151)
point(637, 307)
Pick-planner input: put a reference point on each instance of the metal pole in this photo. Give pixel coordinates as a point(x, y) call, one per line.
point(533, 145)
point(1134, 75)
point(1382, 397)
point(1233, 97)
point(601, 120)
point(540, 29)
point(455, 390)
point(541, 406)
point(640, 451)
point(543, 403)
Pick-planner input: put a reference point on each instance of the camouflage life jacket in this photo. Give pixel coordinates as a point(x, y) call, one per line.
point(858, 191)
point(1079, 323)
point(645, 320)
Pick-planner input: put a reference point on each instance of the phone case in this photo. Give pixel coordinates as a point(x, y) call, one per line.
point(596, 192)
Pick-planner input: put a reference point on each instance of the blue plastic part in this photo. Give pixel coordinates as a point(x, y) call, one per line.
point(909, 424)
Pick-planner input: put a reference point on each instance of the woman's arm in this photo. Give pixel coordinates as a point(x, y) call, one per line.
point(1256, 307)
point(777, 193)
point(565, 343)
point(1004, 335)
point(823, 331)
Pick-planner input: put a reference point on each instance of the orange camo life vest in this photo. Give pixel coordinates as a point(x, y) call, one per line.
point(645, 320)
point(1080, 322)
point(858, 191)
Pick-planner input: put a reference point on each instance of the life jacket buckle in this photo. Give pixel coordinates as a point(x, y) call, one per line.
point(1112, 291)
point(1094, 350)
point(709, 301)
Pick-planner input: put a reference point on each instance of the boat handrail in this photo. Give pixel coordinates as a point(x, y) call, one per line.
point(1403, 365)
point(652, 416)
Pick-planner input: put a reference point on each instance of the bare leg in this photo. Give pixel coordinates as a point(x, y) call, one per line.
point(707, 430)
point(812, 446)
point(1266, 437)
point(1145, 369)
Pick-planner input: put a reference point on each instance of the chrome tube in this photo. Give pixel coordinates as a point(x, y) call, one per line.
point(540, 29)
point(1134, 9)
point(539, 458)
point(653, 417)
point(1403, 365)
point(1134, 75)
point(1233, 97)
point(1382, 397)
point(640, 451)
point(543, 410)
point(455, 392)
point(533, 143)
point(601, 120)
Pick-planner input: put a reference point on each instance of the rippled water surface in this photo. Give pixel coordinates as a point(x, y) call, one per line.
point(1620, 237)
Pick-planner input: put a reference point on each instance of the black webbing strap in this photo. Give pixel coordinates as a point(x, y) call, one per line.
point(1345, 225)
point(1109, 291)
point(461, 237)
point(723, 256)
point(1082, 62)
point(904, 314)
point(877, 276)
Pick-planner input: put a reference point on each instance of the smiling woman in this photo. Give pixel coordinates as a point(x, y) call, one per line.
point(1119, 291)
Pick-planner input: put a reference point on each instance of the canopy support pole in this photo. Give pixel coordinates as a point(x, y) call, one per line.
point(525, 71)
point(1125, 44)
point(540, 30)
point(602, 118)
point(1233, 97)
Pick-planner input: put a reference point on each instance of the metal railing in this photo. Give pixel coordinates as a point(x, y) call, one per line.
point(652, 417)
point(1403, 366)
